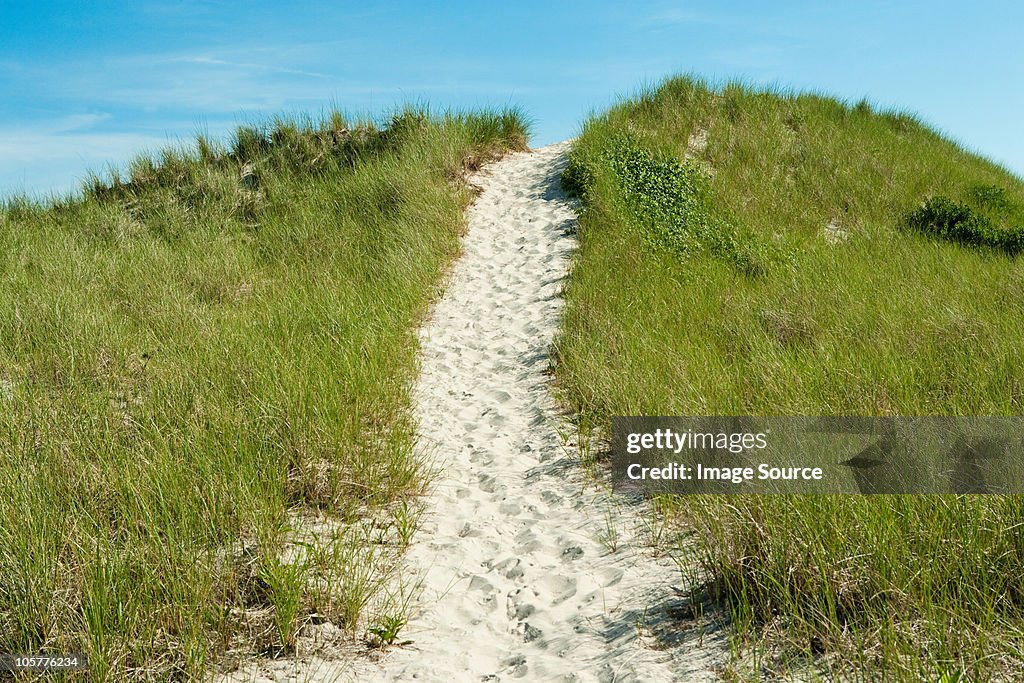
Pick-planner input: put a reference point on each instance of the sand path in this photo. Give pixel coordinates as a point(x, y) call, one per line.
point(522, 568)
point(515, 579)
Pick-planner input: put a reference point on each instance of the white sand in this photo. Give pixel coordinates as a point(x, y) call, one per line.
point(515, 581)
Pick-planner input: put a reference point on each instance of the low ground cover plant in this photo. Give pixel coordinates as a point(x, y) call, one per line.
point(669, 200)
point(987, 219)
point(200, 358)
point(886, 285)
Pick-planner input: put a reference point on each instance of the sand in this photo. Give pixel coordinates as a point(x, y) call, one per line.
point(525, 569)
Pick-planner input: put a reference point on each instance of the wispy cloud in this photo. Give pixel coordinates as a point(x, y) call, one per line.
point(213, 61)
point(238, 82)
point(72, 122)
point(676, 15)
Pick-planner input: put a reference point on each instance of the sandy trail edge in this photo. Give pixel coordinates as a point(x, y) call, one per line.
point(516, 581)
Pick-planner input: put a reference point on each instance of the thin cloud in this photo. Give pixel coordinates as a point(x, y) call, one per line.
point(213, 61)
point(75, 122)
point(675, 16)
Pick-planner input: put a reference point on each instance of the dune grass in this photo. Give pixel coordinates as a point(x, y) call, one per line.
point(200, 358)
point(752, 251)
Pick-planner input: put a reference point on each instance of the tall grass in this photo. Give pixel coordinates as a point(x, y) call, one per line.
point(844, 295)
point(200, 356)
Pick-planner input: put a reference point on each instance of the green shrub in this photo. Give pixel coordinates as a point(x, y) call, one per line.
point(671, 199)
point(959, 222)
point(668, 200)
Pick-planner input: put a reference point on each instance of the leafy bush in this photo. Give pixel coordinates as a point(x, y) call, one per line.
point(669, 200)
point(959, 222)
point(669, 197)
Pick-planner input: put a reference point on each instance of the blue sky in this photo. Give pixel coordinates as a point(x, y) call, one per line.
point(83, 85)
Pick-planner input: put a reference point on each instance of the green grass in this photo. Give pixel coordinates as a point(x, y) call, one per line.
point(199, 356)
point(815, 257)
